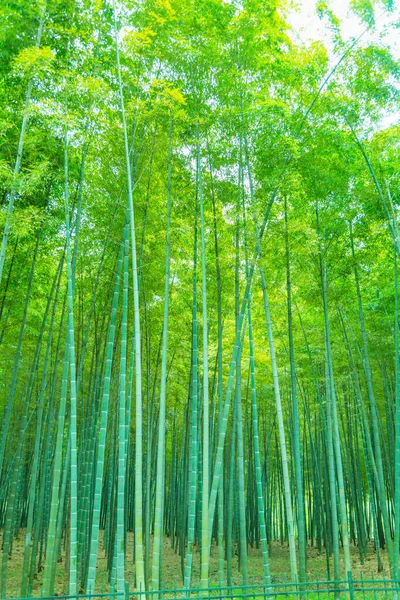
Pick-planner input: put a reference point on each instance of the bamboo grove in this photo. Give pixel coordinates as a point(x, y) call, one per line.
point(199, 293)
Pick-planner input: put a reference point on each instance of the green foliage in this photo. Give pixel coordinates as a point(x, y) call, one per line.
point(34, 62)
point(266, 133)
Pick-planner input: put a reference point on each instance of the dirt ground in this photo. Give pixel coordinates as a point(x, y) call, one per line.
point(172, 575)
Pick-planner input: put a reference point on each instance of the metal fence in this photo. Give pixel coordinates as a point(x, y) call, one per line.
point(349, 589)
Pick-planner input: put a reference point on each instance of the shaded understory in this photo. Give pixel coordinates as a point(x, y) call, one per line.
point(171, 572)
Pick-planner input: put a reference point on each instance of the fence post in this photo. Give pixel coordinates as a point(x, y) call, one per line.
point(351, 587)
point(126, 590)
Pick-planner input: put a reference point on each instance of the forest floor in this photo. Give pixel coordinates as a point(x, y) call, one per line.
point(172, 578)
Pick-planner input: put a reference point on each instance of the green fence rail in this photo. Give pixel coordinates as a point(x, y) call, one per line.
point(368, 589)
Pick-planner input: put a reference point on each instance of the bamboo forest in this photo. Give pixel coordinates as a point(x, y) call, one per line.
point(199, 296)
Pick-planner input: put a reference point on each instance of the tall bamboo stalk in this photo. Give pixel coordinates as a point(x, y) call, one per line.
point(160, 481)
point(139, 558)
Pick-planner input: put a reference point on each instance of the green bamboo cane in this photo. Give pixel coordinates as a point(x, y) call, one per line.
point(194, 418)
point(73, 570)
point(41, 519)
point(334, 431)
point(302, 542)
point(238, 400)
point(282, 438)
point(397, 426)
point(51, 557)
point(229, 509)
point(91, 579)
point(49, 567)
point(255, 427)
point(219, 383)
point(329, 427)
point(138, 360)
point(120, 532)
point(205, 528)
point(160, 491)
